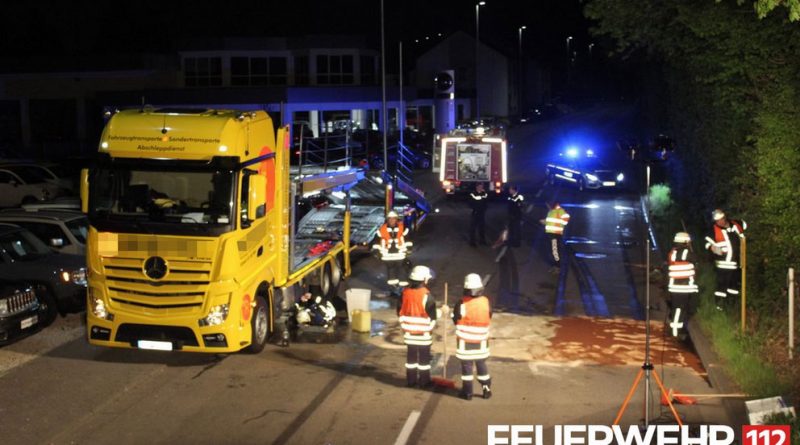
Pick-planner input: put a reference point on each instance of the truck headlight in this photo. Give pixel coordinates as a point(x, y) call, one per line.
point(591, 177)
point(98, 307)
point(76, 276)
point(216, 315)
point(620, 177)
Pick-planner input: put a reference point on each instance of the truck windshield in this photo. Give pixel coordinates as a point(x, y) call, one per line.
point(155, 200)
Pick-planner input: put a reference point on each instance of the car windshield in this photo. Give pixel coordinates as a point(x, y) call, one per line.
point(79, 228)
point(171, 196)
point(22, 246)
point(31, 174)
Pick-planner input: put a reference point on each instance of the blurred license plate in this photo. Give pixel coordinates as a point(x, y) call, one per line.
point(155, 345)
point(28, 322)
point(609, 184)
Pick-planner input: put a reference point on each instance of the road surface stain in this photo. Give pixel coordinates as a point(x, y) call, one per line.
point(615, 341)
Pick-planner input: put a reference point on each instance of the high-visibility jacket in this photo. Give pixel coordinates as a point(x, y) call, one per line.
point(557, 219)
point(681, 271)
point(729, 242)
point(393, 242)
point(415, 316)
point(472, 316)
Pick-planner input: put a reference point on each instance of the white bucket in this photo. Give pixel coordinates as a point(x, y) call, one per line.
point(357, 300)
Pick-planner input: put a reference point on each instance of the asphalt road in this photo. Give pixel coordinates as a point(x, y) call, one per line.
point(565, 348)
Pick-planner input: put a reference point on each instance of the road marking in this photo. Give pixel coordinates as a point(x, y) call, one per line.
point(405, 433)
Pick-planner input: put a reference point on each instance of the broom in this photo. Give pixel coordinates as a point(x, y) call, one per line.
point(443, 382)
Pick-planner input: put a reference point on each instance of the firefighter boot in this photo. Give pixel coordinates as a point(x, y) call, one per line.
point(487, 392)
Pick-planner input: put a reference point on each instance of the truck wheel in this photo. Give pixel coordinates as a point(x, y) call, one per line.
point(325, 283)
point(336, 275)
point(259, 326)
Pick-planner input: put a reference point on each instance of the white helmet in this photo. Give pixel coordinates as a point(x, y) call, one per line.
point(420, 273)
point(473, 282)
point(717, 214)
point(392, 214)
point(682, 237)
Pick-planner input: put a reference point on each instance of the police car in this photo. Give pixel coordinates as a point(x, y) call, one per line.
point(582, 169)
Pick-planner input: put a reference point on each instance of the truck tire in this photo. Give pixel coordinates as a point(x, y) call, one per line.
point(336, 276)
point(259, 326)
point(325, 281)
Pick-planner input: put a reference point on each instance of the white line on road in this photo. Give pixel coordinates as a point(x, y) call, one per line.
point(405, 433)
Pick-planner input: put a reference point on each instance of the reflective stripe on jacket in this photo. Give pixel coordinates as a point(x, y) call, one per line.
point(393, 242)
point(557, 219)
point(729, 255)
point(681, 272)
point(414, 318)
point(473, 324)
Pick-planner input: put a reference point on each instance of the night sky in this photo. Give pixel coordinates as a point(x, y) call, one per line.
point(76, 33)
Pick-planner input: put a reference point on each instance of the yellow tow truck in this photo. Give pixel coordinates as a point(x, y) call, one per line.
point(192, 244)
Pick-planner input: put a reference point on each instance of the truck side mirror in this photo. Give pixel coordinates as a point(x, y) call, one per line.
point(85, 190)
point(257, 205)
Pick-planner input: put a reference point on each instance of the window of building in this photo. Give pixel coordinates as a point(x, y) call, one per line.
point(368, 76)
point(301, 70)
point(335, 70)
point(258, 71)
point(202, 71)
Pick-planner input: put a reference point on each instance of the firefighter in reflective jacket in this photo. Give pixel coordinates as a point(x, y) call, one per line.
point(725, 243)
point(393, 248)
point(417, 312)
point(554, 224)
point(472, 317)
point(681, 272)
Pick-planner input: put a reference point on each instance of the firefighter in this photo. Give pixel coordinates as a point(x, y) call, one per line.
point(479, 201)
point(417, 314)
point(516, 203)
point(472, 318)
point(681, 272)
point(554, 224)
point(725, 243)
point(393, 251)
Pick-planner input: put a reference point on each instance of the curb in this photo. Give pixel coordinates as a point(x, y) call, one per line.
point(719, 379)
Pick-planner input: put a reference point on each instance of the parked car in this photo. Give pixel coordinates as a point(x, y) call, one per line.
point(63, 230)
point(23, 257)
point(25, 184)
point(60, 203)
point(22, 310)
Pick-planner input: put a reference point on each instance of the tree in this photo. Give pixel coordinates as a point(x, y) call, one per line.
point(733, 97)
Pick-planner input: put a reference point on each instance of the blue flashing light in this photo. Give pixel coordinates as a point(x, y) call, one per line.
point(572, 152)
point(590, 152)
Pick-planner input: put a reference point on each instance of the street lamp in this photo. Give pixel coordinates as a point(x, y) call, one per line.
point(591, 45)
point(519, 89)
point(477, 56)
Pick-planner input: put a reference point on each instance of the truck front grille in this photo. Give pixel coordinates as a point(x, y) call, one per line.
point(182, 289)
